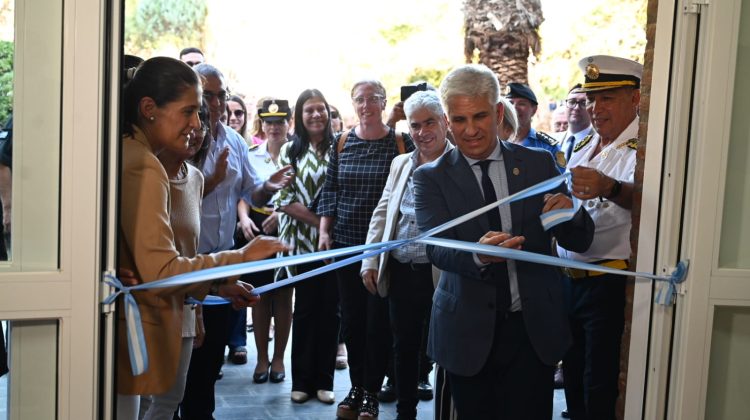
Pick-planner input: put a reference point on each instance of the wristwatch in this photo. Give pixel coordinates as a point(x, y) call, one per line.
point(615, 190)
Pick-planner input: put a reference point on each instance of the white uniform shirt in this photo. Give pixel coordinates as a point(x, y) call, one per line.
point(261, 162)
point(612, 233)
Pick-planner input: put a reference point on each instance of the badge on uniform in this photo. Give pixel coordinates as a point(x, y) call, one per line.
point(560, 158)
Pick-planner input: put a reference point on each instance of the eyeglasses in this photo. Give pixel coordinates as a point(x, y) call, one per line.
point(334, 114)
point(359, 100)
point(238, 113)
point(572, 103)
point(208, 96)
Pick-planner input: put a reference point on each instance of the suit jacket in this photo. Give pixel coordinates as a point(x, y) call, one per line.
point(147, 247)
point(464, 305)
point(385, 217)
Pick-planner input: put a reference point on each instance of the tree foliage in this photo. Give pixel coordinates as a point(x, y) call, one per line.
point(155, 23)
point(6, 80)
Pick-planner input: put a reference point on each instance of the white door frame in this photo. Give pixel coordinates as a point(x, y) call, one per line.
point(69, 292)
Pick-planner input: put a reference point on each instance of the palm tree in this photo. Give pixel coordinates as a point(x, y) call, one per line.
point(504, 32)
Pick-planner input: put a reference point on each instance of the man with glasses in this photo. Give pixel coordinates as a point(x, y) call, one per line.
point(229, 177)
point(579, 122)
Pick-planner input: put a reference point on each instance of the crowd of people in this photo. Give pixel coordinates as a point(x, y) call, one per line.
point(202, 186)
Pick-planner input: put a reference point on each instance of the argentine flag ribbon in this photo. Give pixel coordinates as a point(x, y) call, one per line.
point(136, 341)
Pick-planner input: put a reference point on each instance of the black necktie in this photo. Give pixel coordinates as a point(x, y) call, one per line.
point(489, 195)
point(569, 150)
point(503, 282)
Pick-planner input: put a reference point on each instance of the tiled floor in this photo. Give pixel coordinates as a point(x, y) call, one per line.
point(239, 398)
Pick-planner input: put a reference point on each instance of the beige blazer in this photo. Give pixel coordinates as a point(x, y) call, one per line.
point(147, 247)
point(384, 219)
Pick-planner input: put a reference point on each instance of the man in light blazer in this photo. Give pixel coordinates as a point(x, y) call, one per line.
point(405, 275)
point(498, 327)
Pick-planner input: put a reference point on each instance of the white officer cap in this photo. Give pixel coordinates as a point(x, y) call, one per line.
point(604, 72)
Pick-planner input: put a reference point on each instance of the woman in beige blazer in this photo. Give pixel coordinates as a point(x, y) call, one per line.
point(160, 108)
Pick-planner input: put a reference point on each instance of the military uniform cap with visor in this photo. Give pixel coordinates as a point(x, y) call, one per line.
point(603, 72)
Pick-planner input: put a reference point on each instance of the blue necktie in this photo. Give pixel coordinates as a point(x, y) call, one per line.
point(569, 149)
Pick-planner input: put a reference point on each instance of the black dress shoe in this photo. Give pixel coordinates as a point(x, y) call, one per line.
point(387, 393)
point(220, 375)
point(277, 377)
point(564, 414)
point(260, 378)
point(424, 390)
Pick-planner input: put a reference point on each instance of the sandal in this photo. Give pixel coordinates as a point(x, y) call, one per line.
point(349, 407)
point(238, 355)
point(370, 407)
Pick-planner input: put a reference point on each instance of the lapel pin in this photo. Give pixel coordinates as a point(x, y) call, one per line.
point(516, 171)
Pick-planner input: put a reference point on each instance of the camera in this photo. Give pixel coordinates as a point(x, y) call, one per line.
point(409, 90)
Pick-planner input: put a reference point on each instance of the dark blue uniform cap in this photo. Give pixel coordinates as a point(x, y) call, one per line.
point(520, 90)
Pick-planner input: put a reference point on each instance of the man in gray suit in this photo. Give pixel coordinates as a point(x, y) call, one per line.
point(498, 327)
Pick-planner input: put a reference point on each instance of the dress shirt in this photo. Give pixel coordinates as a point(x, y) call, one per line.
point(500, 182)
point(262, 163)
point(407, 224)
point(566, 143)
point(612, 234)
point(219, 209)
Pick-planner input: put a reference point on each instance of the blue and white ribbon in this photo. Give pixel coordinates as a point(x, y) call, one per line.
point(136, 341)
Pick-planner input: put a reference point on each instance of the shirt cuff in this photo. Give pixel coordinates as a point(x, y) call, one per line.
point(479, 264)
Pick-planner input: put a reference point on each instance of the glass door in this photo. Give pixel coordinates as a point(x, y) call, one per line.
point(712, 323)
point(53, 207)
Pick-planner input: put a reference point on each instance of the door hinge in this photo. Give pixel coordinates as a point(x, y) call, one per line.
point(694, 6)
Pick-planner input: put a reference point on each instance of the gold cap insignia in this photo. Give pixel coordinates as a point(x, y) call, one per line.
point(592, 71)
point(506, 90)
point(273, 108)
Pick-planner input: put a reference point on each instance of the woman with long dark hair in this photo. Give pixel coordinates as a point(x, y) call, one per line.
point(316, 318)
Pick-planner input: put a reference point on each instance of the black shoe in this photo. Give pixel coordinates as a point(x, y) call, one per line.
point(260, 378)
point(220, 375)
point(564, 414)
point(424, 390)
point(277, 377)
point(387, 393)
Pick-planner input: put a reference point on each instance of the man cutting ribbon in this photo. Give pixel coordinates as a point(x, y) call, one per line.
point(497, 326)
point(602, 166)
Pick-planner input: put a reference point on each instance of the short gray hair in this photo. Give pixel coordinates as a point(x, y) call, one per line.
point(509, 115)
point(427, 99)
point(473, 80)
point(207, 70)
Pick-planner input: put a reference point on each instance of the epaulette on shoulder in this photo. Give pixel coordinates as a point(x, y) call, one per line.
point(630, 144)
point(540, 135)
point(254, 146)
point(582, 143)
